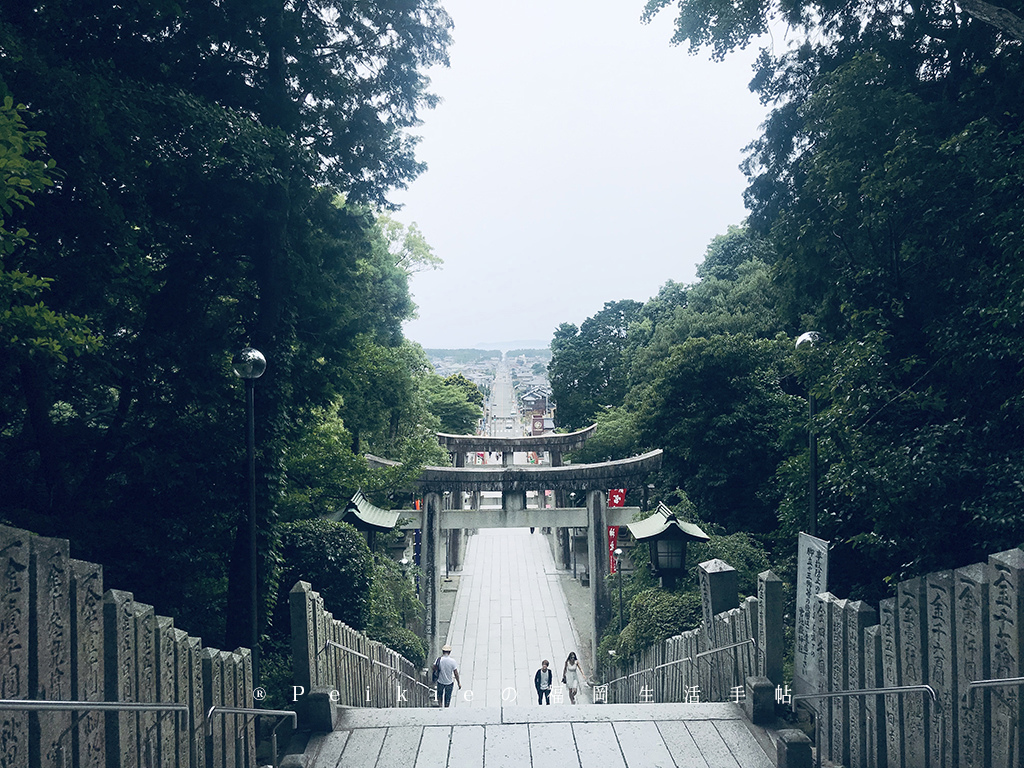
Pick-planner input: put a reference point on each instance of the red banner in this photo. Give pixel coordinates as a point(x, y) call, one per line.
point(616, 498)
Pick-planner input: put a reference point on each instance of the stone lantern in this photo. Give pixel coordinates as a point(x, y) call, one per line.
point(667, 536)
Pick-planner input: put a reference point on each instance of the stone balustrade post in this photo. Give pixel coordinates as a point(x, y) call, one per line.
point(771, 640)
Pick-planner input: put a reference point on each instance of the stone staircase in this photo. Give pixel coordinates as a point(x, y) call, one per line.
point(598, 736)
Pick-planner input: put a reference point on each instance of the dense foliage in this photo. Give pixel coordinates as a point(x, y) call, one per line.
point(586, 371)
point(334, 559)
point(394, 605)
point(366, 590)
point(886, 215)
point(916, 465)
point(186, 179)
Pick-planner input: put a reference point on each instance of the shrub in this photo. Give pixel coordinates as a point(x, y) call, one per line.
point(334, 558)
point(402, 640)
point(658, 615)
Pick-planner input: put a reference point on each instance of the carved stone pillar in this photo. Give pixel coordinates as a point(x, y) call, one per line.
point(597, 559)
point(432, 566)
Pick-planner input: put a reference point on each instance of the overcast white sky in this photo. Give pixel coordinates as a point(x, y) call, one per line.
point(577, 158)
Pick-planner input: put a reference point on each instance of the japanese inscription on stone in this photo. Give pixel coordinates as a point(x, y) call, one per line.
point(1006, 611)
point(14, 621)
point(812, 579)
point(939, 639)
point(910, 601)
point(971, 597)
point(891, 677)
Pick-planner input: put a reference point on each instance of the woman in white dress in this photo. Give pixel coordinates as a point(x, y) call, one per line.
point(572, 675)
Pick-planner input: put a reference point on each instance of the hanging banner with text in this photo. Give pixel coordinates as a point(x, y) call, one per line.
point(616, 498)
point(811, 580)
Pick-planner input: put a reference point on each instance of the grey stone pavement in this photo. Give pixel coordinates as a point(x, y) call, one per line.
point(509, 612)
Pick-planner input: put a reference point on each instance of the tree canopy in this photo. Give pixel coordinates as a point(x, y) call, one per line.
point(885, 214)
point(586, 370)
point(213, 179)
point(918, 449)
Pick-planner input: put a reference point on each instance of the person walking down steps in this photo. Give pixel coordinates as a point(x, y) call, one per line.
point(447, 675)
point(542, 682)
point(572, 675)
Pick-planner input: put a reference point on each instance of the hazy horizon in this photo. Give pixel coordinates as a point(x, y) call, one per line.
point(577, 158)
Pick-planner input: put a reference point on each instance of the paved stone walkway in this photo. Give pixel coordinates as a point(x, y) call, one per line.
point(510, 614)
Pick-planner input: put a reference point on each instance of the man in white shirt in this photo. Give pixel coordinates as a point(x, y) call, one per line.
point(447, 676)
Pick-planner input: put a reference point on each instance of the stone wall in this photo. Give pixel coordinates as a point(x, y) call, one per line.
point(946, 630)
point(62, 638)
point(328, 656)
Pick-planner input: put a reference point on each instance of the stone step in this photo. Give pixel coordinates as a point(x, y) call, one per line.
point(359, 717)
point(609, 736)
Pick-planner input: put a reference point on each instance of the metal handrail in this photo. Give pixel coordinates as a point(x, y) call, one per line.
point(43, 705)
point(998, 682)
point(353, 651)
point(631, 674)
point(671, 663)
point(862, 692)
point(281, 714)
point(373, 661)
point(748, 641)
point(649, 669)
point(995, 682)
point(865, 692)
point(217, 709)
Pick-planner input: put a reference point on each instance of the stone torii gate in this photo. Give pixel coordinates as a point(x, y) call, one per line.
point(514, 481)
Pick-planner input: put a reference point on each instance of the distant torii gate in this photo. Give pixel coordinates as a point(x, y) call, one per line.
point(513, 481)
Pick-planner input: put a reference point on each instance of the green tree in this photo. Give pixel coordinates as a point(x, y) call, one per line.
point(717, 407)
point(30, 331)
point(587, 370)
point(911, 274)
point(408, 247)
point(395, 404)
point(334, 559)
point(725, 28)
point(454, 403)
point(472, 392)
point(322, 471)
point(736, 294)
point(726, 253)
point(393, 603)
point(617, 436)
point(885, 179)
point(204, 150)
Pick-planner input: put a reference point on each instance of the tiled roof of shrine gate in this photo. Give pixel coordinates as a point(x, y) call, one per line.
point(553, 441)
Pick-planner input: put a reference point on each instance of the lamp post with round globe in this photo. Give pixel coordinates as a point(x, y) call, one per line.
point(808, 340)
point(249, 364)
